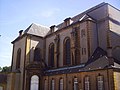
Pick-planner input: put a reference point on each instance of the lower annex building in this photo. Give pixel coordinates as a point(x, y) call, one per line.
point(81, 53)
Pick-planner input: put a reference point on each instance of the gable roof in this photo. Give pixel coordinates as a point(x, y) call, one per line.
point(100, 59)
point(37, 30)
point(81, 15)
point(98, 53)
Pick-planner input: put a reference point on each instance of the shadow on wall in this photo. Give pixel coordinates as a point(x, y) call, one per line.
point(115, 41)
point(36, 55)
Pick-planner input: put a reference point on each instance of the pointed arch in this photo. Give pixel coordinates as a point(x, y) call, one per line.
point(67, 51)
point(51, 55)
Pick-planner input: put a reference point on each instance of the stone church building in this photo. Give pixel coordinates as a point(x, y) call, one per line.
point(81, 53)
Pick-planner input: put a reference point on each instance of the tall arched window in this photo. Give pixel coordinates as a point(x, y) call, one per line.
point(18, 58)
point(61, 84)
point(75, 83)
point(100, 83)
point(67, 53)
point(51, 55)
point(34, 83)
point(37, 55)
point(52, 84)
point(45, 84)
point(87, 83)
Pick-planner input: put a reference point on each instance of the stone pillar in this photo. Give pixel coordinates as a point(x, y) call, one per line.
point(57, 40)
point(109, 54)
point(73, 45)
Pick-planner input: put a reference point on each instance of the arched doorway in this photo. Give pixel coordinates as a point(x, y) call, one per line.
point(1, 88)
point(34, 84)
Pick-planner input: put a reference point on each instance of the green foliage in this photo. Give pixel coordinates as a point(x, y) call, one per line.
point(0, 69)
point(5, 69)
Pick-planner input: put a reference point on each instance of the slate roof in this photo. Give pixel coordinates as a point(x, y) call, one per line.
point(98, 60)
point(42, 31)
point(80, 16)
point(64, 70)
point(37, 30)
point(98, 53)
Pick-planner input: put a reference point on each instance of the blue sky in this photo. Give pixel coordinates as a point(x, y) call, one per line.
point(19, 14)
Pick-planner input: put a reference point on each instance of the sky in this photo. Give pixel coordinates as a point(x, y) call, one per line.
point(16, 15)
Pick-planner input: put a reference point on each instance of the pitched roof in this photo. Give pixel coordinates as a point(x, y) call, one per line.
point(98, 53)
point(82, 15)
point(37, 30)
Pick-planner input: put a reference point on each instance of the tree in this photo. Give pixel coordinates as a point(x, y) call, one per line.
point(0, 69)
point(6, 69)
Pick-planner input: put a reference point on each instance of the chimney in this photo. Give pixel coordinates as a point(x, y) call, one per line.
point(20, 32)
point(52, 28)
point(67, 21)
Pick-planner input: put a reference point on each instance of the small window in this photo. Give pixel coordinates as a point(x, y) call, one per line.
point(18, 58)
point(82, 32)
point(87, 83)
point(83, 51)
point(61, 84)
point(75, 83)
point(100, 83)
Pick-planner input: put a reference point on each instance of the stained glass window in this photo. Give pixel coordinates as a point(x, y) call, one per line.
point(51, 55)
point(67, 52)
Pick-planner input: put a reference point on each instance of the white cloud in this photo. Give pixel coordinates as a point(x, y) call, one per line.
point(49, 12)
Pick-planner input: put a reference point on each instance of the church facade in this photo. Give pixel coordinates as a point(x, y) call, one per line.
point(81, 53)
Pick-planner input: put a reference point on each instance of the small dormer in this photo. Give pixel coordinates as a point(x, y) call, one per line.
point(67, 21)
point(52, 28)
